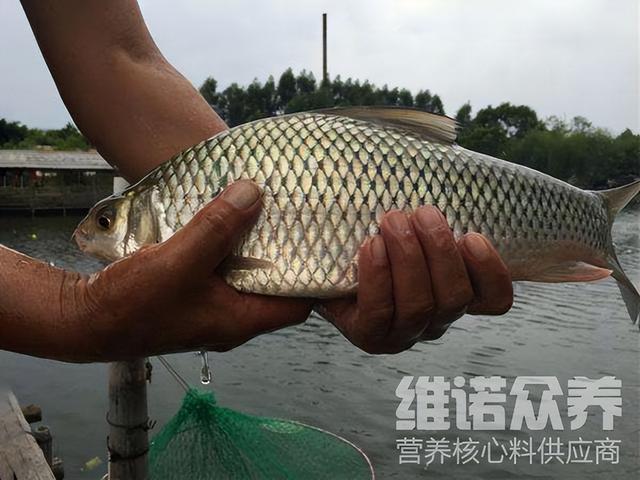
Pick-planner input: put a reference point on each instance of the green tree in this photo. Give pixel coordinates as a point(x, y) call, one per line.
point(286, 89)
point(405, 99)
point(463, 116)
point(437, 106)
point(234, 105)
point(208, 91)
point(305, 83)
point(254, 102)
point(12, 132)
point(389, 96)
point(513, 120)
point(69, 138)
point(430, 103)
point(270, 97)
point(575, 151)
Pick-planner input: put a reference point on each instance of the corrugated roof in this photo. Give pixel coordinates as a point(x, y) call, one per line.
point(56, 160)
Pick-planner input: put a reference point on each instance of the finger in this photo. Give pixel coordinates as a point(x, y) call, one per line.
point(450, 283)
point(412, 292)
point(489, 276)
point(264, 314)
point(248, 315)
point(196, 249)
point(374, 316)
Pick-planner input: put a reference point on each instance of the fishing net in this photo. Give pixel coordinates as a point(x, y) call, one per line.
point(206, 441)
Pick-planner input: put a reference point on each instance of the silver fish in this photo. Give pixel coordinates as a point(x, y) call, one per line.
point(328, 177)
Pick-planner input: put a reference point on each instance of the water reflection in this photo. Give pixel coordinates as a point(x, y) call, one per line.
point(310, 373)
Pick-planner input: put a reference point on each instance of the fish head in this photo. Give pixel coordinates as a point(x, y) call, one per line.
point(104, 231)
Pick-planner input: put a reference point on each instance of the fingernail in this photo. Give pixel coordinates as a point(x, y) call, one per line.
point(429, 216)
point(400, 222)
point(378, 250)
point(241, 194)
point(478, 246)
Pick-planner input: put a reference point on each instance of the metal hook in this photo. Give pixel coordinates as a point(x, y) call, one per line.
point(205, 371)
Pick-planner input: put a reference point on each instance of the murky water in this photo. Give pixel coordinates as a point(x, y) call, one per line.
point(310, 373)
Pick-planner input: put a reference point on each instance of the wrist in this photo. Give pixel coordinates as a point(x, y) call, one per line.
point(81, 336)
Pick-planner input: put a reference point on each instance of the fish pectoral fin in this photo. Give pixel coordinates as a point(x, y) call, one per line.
point(571, 272)
point(235, 262)
point(438, 128)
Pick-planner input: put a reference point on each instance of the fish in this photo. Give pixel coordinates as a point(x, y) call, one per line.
point(328, 176)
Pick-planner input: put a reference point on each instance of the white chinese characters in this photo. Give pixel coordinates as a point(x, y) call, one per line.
point(435, 403)
point(467, 451)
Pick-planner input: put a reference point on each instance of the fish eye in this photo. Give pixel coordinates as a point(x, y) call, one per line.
point(105, 219)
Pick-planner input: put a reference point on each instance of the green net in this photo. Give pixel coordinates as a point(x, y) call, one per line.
point(206, 441)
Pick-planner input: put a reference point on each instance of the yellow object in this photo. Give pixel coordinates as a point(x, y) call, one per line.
point(92, 464)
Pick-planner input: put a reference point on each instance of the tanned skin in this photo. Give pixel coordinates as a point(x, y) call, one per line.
point(415, 278)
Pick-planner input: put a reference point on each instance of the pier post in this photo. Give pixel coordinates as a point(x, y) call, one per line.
point(43, 437)
point(128, 441)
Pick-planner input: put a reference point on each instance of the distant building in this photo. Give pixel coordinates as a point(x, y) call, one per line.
point(53, 180)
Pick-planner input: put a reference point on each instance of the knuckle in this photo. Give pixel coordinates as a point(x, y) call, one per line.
point(215, 220)
point(382, 312)
point(396, 224)
point(416, 311)
point(443, 241)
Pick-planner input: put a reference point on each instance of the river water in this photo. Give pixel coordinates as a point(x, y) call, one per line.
point(312, 374)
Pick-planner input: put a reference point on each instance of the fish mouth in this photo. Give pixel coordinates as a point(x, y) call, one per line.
point(85, 243)
point(80, 237)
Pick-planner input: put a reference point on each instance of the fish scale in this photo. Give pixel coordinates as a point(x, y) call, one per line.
point(327, 181)
point(329, 177)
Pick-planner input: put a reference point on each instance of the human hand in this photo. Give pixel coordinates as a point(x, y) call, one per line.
point(415, 279)
point(167, 297)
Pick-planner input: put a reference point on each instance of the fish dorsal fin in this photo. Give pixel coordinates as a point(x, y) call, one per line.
point(434, 127)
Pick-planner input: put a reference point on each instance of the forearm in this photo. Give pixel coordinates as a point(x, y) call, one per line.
point(38, 310)
point(121, 92)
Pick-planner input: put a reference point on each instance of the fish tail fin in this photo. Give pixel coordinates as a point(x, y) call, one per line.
point(616, 199)
point(628, 290)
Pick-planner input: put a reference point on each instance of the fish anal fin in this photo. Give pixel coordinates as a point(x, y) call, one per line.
point(570, 272)
point(439, 128)
point(235, 262)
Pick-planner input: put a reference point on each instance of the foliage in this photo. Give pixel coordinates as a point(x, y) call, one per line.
point(574, 151)
point(14, 135)
point(296, 93)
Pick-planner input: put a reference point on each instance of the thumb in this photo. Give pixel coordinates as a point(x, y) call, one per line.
point(197, 248)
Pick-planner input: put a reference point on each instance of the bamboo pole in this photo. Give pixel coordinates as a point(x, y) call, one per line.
point(128, 441)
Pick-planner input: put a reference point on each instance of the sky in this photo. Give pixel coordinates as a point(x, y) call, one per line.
point(561, 57)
